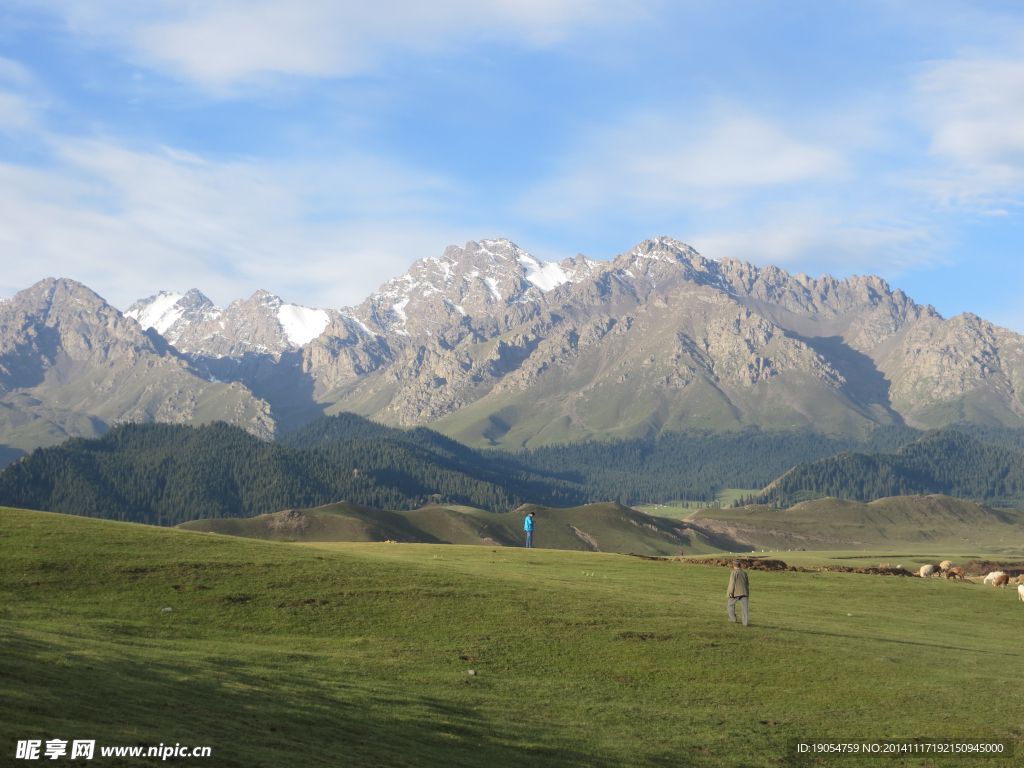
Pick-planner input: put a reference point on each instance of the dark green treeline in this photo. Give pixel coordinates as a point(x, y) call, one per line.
point(167, 474)
point(946, 462)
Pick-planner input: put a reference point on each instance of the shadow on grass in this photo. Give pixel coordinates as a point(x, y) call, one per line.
point(896, 641)
point(266, 713)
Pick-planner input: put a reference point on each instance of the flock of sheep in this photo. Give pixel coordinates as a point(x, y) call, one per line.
point(950, 571)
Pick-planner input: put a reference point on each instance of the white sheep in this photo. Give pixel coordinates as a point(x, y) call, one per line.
point(927, 571)
point(1020, 591)
point(993, 576)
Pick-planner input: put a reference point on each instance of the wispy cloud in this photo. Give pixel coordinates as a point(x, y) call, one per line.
point(809, 237)
point(684, 159)
point(130, 222)
point(21, 100)
point(974, 111)
point(222, 43)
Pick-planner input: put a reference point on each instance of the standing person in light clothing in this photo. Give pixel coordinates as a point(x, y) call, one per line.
point(739, 589)
point(528, 527)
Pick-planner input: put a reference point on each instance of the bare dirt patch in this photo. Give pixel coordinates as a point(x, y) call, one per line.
point(984, 567)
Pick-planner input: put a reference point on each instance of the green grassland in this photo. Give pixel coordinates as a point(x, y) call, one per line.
point(680, 509)
point(603, 527)
point(358, 654)
point(919, 523)
point(909, 557)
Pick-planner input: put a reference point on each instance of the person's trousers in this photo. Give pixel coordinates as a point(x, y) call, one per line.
point(529, 539)
point(732, 608)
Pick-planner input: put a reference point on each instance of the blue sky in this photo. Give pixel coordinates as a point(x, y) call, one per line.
point(316, 149)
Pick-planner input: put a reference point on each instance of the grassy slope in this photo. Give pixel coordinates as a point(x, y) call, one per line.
point(342, 521)
point(930, 521)
point(613, 527)
point(357, 654)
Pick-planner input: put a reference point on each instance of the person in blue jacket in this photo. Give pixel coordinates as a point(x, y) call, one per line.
point(528, 527)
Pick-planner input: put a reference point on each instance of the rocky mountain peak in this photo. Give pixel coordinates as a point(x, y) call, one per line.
point(72, 365)
point(663, 258)
point(64, 311)
point(57, 326)
point(488, 279)
point(263, 323)
point(171, 314)
point(493, 345)
point(664, 248)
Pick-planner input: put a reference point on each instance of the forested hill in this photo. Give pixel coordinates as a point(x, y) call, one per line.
point(692, 464)
point(168, 474)
point(945, 462)
point(702, 461)
point(349, 426)
point(681, 465)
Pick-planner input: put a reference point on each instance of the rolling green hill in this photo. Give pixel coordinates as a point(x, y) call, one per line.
point(901, 521)
point(601, 527)
point(277, 655)
point(334, 522)
point(941, 462)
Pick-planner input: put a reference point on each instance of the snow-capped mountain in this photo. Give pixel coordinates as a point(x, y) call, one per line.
point(170, 314)
point(481, 280)
point(263, 324)
point(71, 365)
point(493, 346)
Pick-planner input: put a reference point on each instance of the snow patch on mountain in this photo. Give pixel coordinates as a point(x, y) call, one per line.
point(546, 275)
point(172, 314)
point(159, 312)
point(399, 308)
point(492, 285)
point(301, 324)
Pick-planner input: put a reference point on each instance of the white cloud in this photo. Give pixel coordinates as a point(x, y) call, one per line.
point(16, 112)
point(20, 99)
point(14, 73)
point(220, 43)
point(129, 223)
point(974, 111)
point(681, 160)
point(802, 238)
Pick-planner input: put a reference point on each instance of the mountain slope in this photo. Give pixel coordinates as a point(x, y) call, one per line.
point(658, 339)
point(71, 365)
point(493, 347)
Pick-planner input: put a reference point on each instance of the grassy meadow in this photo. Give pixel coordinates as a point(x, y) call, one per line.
point(893, 524)
point(680, 509)
point(358, 654)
